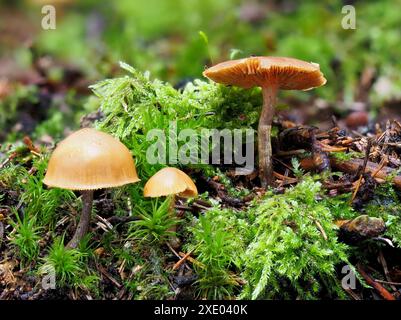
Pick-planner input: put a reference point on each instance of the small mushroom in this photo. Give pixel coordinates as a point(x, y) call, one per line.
point(170, 182)
point(89, 160)
point(271, 74)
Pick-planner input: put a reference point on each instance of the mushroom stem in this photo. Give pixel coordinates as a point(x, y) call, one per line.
point(172, 205)
point(264, 131)
point(174, 241)
point(83, 225)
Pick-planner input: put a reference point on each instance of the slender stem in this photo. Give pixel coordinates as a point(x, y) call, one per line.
point(172, 205)
point(173, 241)
point(83, 225)
point(264, 131)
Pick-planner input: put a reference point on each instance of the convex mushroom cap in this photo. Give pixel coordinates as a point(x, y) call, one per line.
point(170, 181)
point(286, 73)
point(88, 160)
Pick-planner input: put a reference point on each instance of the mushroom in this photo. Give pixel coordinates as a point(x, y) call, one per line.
point(271, 74)
point(170, 182)
point(89, 160)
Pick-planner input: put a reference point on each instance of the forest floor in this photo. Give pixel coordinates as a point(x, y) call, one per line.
point(355, 160)
point(330, 228)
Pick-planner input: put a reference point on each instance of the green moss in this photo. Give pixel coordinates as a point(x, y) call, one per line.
point(288, 255)
point(277, 247)
point(157, 105)
point(219, 244)
point(68, 265)
point(39, 200)
point(346, 156)
point(387, 205)
point(26, 237)
point(154, 226)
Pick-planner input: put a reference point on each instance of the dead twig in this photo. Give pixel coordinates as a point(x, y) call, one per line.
point(193, 260)
point(319, 155)
point(184, 258)
point(379, 288)
point(351, 166)
point(352, 294)
point(385, 269)
point(109, 276)
point(389, 282)
point(285, 179)
point(327, 148)
point(176, 254)
point(290, 153)
point(184, 208)
point(361, 170)
point(10, 158)
point(222, 193)
point(116, 219)
point(319, 226)
point(358, 185)
point(382, 163)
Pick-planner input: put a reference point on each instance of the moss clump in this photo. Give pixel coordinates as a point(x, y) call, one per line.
point(284, 246)
point(219, 242)
point(294, 249)
point(134, 105)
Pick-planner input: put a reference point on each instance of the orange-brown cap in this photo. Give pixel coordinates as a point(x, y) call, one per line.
point(90, 160)
point(286, 73)
point(169, 181)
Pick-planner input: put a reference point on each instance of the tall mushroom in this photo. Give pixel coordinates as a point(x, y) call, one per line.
point(89, 160)
point(271, 74)
point(170, 182)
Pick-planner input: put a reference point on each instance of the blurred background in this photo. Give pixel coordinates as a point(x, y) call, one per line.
point(45, 74)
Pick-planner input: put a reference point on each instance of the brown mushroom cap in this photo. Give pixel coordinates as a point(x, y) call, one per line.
point(90, 160)
point(170, 181)
point(286, 73)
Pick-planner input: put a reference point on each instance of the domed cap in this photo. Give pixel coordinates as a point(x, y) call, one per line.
point(90, 160)
point(169, 181)
point(286, 73)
